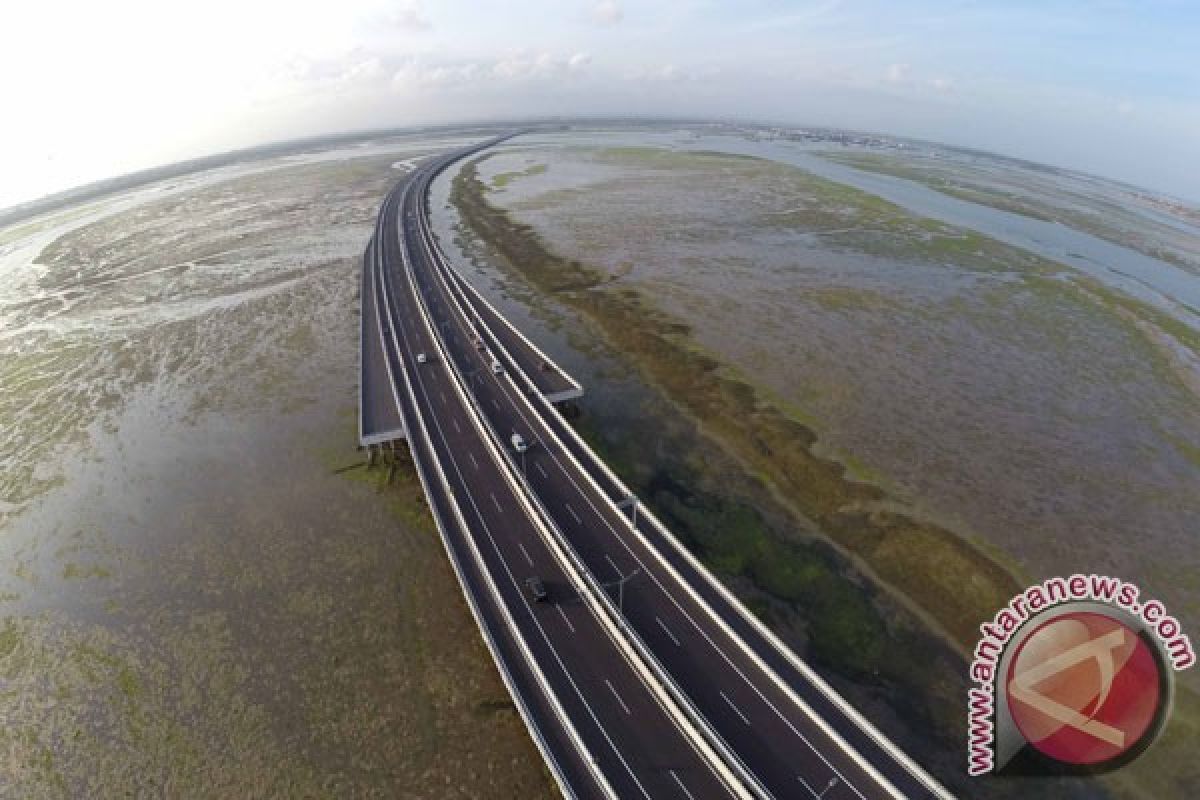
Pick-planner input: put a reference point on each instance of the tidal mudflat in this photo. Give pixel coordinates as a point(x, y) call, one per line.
point(874, 424)
point(204, 593)
point(1124, 215)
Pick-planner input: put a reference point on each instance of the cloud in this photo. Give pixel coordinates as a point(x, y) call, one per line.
point(672, 73)
point(408, 15)
point(416, 75)
point(522, 65)
point(897, 73)
point(355, 68)
point(901, 76)
point(519, 66)
point(608, 12)
point(1125, 108)
point(369, 69)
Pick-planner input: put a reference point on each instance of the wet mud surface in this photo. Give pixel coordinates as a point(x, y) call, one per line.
point(204, 592)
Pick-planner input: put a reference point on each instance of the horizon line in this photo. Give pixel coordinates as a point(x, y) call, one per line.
point(85, 192)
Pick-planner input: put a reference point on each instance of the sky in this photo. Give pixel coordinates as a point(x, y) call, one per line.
point(96, 89)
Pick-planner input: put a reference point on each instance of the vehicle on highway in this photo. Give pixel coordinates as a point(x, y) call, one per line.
point(519, 444)
point(497, 367)
point(537, 589)
point(422, 358)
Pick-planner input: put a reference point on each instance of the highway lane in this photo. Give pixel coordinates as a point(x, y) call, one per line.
point(782, 742)
point(639, 747)
point(895, 765)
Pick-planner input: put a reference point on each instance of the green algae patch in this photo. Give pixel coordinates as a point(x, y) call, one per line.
point(74, 571)
point(733, 538)
point(9, 638)
point(503, 179)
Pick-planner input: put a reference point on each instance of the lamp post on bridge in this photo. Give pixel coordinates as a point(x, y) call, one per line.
point(620, 584)
point(821, 794)
point(633, 503)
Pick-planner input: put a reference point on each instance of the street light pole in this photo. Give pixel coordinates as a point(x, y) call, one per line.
point(632, 501)
point(620, 584)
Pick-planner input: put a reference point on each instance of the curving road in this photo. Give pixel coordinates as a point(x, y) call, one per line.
point(722, 707)
point(602, 728)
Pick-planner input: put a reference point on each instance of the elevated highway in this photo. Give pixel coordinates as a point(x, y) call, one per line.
point(756, 719)
point(605, 728)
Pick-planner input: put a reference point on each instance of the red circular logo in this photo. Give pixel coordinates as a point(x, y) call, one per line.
point(1084, 688)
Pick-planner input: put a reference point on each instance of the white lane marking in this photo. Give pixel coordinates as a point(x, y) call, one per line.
point(612, 689)
point(811, 790)
point(539, 469)
point(681, 786)
point(495, 404)
point(474, 463)
point(497, 502)
point(574, 516)
point(455, 421)
point(736, 710)
point(565, 619)
point(613, 564)
point(443, 394)
point(667, 631)
point(525, 553)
